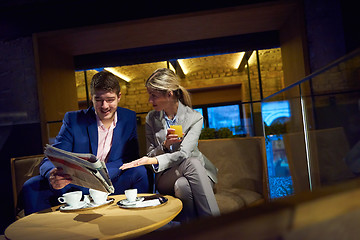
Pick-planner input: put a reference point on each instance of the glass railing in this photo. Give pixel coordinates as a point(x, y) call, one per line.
point(312, 129)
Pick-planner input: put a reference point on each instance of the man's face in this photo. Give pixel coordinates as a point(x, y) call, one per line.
point(105, 104)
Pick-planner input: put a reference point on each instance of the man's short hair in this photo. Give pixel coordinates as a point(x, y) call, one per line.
point(106, 81)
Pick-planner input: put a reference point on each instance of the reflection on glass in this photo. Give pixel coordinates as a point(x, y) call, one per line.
point(275, 115)
point(277, 111)
point(312, 130)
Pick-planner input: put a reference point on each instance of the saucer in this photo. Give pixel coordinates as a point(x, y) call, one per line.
point(68, 207)
point(93, 204)
point(126, 202)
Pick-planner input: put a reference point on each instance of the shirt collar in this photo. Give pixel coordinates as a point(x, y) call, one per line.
point(168, 120)
point(100, 124)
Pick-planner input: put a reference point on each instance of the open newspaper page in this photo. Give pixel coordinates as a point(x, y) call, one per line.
point(84, 169)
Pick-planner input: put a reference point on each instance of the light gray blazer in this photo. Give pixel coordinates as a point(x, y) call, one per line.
point(191, 122)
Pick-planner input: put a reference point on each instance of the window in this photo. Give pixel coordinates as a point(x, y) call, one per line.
point(200, 111)
point(223, 116)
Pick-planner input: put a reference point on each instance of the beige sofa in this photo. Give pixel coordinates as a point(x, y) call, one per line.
point(23, 168)
point(241, 161)
point(241, 164)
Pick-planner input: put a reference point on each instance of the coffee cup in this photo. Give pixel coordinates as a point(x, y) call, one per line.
point(71, 198)
point(99, 197)
point(131, 194)
point(178, 130)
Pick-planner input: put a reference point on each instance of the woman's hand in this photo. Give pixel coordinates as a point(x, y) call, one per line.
point(139, 162)
point(171, 138)
point(58, 179)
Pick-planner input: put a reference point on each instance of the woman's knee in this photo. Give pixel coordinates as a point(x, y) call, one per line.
point(182, 188)
point(193, 168)
point(193, 162)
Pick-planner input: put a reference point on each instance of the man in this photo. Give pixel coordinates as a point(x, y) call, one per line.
point(107, 131)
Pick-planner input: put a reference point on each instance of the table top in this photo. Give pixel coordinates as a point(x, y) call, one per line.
point(105, 222)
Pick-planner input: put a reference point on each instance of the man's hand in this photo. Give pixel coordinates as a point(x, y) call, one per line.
point(58, 179)
point(139, 162)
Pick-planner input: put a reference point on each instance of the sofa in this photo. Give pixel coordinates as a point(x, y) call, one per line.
point(242, 178)
point(23, 168)
point(241, 167)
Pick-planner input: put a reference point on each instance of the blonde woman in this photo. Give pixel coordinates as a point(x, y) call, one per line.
point(181, 169)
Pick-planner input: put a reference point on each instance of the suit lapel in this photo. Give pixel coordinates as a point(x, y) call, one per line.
point(160, 126)
point(181, 116)
point(92, 130)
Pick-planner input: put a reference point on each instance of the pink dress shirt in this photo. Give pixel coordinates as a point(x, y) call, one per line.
point(105, 138)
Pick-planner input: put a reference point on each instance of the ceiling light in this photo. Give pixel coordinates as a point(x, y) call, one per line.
point(252, 58)
point(183, 66)
point(239, 59)
point(171, 67)
point(117, 73)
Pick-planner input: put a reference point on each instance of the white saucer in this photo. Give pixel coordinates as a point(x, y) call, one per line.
point(126, 202)
point(93, 204)
point(68, 207)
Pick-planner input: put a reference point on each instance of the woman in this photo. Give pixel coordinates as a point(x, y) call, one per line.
point(181, 170)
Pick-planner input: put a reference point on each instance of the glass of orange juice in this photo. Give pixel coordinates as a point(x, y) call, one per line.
point(178, 130)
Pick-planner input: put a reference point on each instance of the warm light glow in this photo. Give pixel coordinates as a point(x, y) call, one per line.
point(183, 66)
point(252, 58)
point(171, 67)
point(120, 75)
point(239, 59)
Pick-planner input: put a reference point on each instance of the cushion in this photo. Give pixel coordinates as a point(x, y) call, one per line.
point(247, 196)
point(239, 161)
point(229, 202)
point(240, 170)
point(233, 199)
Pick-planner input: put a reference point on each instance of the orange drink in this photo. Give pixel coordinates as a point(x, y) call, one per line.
point(178, 130)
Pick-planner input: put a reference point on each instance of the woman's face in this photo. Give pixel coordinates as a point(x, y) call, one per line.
point(159, 100)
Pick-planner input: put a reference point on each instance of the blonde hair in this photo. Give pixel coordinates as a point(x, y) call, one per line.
point(165, 80)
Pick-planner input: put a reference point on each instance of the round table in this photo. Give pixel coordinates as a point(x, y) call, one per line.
point(105, 222)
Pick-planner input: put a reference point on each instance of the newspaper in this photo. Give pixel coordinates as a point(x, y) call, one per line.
point(84, 169)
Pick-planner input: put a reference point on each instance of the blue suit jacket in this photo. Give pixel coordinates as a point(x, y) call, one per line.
point(79, 134)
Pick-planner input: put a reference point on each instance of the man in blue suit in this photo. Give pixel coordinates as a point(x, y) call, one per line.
point(107, 131)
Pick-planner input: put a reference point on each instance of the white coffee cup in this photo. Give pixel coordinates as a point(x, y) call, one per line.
point(99, 197)
point(71, 198)
point(131, 194)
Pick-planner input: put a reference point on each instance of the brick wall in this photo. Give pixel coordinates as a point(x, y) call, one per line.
point(135, 97)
